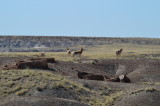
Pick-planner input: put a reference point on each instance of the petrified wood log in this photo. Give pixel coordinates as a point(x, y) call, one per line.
point(32, 63)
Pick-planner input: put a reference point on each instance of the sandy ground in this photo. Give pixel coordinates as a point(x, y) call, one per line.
point(139, 71)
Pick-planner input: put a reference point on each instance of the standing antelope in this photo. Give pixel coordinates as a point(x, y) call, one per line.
point(78, 53)
point(118, 53)
point(41, 55)
point(68, 52)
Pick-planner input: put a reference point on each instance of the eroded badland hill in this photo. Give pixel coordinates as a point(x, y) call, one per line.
point(48, 43)
point(28, 78)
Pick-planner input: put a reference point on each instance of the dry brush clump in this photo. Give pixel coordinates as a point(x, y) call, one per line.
point(147, 89)
point(25, 82)
point(32, 80)
point(151, 83)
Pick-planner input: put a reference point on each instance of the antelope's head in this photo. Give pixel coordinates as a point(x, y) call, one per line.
point(121, 49)
point(82, 49)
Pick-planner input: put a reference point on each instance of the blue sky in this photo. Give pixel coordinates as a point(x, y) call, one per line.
point(108, 18)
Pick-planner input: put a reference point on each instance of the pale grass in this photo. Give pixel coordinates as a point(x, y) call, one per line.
point(106, 100)
point(151, 83)
point(32, 80)
point(147, 89)
point(97, 52)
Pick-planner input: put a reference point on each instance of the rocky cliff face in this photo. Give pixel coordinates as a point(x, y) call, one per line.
point(39, 43)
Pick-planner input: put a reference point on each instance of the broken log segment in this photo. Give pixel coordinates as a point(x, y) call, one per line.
point(32, 64)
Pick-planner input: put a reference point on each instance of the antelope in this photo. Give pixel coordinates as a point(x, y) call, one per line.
point(118, 53)
point(78, 53)
point(42, 54)
point(68, 52)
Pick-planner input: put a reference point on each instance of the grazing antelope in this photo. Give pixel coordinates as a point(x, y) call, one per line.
point(42, 55)
point(118, 53)
point(78, 53)
point(68, 52)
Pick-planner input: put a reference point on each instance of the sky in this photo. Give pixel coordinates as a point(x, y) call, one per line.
point(92, 18)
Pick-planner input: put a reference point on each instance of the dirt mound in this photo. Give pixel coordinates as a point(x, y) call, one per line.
point(32, 63)
point(136, 70)
point(148, 72)
point(42, 101)
point(141, 98)
point(143, 70)
point(121, 70)
point(10, 60)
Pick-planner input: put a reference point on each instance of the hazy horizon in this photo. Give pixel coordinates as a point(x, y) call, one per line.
point(81, 36)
